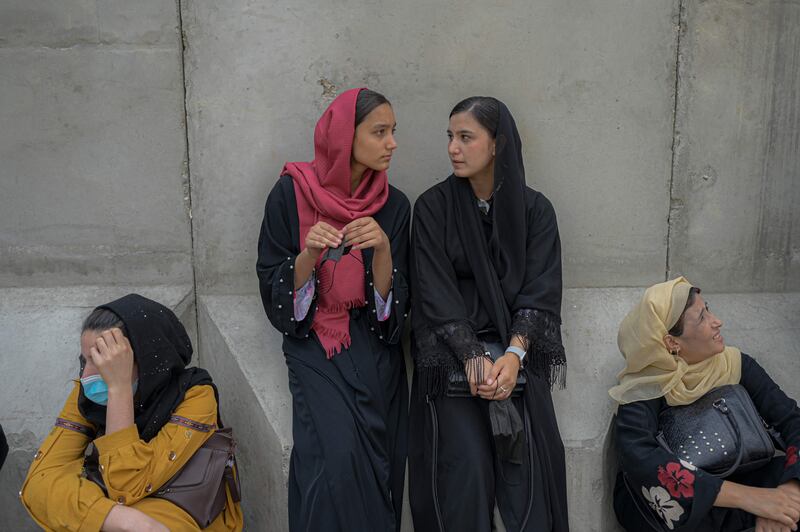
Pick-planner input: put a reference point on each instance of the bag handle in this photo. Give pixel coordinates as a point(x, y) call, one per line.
point(722, 407)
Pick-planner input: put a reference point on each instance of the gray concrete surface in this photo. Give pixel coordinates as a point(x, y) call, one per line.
point(249, 366)
point(40, 328)
point(735, 197)
point(250, 373)
point(652, 174)
point(593, 105)
point(92, 144)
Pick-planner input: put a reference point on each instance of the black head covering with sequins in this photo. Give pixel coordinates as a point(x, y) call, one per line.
point(162, 350)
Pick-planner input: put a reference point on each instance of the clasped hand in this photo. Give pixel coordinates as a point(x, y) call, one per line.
point(361, 233)
point(499, 378)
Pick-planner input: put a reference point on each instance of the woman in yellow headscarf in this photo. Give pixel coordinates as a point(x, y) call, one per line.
point(674, 355)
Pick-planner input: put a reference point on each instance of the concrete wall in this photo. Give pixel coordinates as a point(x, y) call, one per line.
point(92, 180)
point(594, 106)
point(665, 132)
point(641, 191)
point(735, 222)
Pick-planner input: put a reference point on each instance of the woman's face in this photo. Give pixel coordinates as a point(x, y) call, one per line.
point(701, 338)
point(88, 340)
point(471, 146)
point(373, 143)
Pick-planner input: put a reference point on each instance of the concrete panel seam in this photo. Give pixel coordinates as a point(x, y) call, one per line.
point(188, 171)
point(673, 150)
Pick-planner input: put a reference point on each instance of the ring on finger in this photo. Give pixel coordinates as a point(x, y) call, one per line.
point(503, 389)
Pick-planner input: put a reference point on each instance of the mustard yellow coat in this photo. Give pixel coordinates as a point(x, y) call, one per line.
point(58, 497)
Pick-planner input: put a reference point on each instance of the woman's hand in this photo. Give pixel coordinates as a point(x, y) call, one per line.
point(502, 378)
point(791, 487)
point(112, 355)
point(124, 518)
point(321, 236)
point(768, 525)
point(477, 369)
point(365, 233)
point(773, 504)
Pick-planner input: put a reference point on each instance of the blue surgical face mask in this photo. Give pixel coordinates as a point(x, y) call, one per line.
point(96, 390)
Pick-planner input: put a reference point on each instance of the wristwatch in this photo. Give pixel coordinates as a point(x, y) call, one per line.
point(517, 351)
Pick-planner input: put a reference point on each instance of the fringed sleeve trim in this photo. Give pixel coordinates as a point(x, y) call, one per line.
point(541, 337)
point(442, 351)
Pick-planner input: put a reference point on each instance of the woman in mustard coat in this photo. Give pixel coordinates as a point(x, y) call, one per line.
point(145, 413)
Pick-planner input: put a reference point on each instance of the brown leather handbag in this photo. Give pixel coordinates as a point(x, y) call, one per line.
point(199, 487)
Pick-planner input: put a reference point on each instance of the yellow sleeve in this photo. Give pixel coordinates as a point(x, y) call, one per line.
point(54, 493)
point(133, 469)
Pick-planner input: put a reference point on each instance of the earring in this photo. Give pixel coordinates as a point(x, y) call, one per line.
point(674, 352)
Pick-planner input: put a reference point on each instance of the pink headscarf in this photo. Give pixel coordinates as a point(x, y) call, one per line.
point(322, 189)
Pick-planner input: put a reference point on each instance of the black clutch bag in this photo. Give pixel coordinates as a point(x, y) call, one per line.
point(720, 433)
point(459, 385)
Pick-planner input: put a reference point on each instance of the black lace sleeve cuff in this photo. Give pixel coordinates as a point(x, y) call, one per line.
point(433, 363)
point(541, 337)
point(461, 340)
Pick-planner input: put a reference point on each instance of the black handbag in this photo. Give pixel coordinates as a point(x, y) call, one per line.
point(459, 385)
point(720, 433)
point(199, 487)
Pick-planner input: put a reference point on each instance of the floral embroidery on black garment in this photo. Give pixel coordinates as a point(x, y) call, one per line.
point(678, 481)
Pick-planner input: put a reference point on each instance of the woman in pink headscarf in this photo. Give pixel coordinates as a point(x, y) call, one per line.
point(332, 262)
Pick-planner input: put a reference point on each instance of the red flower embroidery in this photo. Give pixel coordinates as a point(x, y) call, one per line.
point(679, 481)
point(791, 456)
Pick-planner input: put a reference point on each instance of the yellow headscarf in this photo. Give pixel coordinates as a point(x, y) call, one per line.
point(650, 370)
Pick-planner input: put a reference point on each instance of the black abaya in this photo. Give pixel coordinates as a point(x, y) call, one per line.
point(499, 274)
point(350, 412)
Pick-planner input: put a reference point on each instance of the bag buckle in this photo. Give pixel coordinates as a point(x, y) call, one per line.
point(720, 405)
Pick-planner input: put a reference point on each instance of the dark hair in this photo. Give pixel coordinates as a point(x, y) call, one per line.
point(366, 102)
point(677, 329)
point(485, 109)
point(102, 319)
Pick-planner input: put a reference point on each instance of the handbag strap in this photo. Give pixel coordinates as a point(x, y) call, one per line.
point(435, 460)
point(233, 479)
point(722, 407)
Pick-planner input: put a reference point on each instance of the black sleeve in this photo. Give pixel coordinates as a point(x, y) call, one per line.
point(777, 409)
point(537, 307)
point(680, 494)
point(434, 278)
point(3, 447)
point(278, 247)
point(396, 228)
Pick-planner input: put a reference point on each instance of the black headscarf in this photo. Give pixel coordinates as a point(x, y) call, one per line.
point(162, 350)
point(500, 264)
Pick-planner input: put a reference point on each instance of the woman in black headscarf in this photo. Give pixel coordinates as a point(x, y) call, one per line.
point(146, 414)
point(486, 268)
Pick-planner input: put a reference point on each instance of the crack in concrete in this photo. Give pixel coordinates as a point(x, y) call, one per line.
point(188, 170)
point(672, 200)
